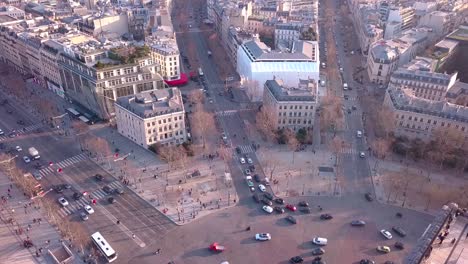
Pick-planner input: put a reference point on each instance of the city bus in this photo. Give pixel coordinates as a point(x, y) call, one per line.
point(104, 247)
point(73, 112)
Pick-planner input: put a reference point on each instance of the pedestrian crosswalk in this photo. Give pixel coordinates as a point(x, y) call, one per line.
point(226, 113)
point(246, 149)
point(76, 206)
point(348, 151)
point(64, 163)
point(21, 131)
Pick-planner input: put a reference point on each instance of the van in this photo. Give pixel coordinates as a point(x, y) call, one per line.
point(345, 86)
point(359, 133)
point(320, 241)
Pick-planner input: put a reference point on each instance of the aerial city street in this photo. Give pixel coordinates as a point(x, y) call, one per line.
point(222, 131)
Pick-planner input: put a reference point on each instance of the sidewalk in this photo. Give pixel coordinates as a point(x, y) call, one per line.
point(182, 194)
point(18, 223)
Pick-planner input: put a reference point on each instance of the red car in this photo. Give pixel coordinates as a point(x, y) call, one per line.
point(215, 247)
point(291, 207)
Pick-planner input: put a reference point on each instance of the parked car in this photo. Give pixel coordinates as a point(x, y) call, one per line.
point(256, 197)
point(111, 200)
point(268, 195)
point(386, 234)
point(318, 260)
point(305, 210)
point(321, 241)
point(384, 249)
point(362, 154)
point(18, 148)
point(399, 231)
point(249, 161)
point(107, 189)
point(303, 203)
point(267, 209)
point(58, 189)
point(399, 245)
point(257, 178)
point(366, 261)
point(119, 191)
point(247, 172)
point(262, 188)
point(98, 177)
point(358, 223)
point(279, 201)
point(279, 209)
point(63, 202)
point(267, 202)
point(242, 160)
point(77, 196)
point(318, 251)
point(263, 236)
point(296, 259)
point(26, 159)
point(37, 175)
point(326, 216)
point(291, 219)
point(369, 197)
point(238, 150)
point(291, 207)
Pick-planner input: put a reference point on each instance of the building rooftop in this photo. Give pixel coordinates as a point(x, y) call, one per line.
point(404, 100)
point(301, 93)
point(424, 76)
point(459, 34)
point(153, 103)
point(457, 89)
point(447, 44)
point(301, 51)
point(421, 64)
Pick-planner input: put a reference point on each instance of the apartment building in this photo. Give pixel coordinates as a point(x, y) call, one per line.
point(366, 21)
point(458, 94)
point(152, 117)
point(403, 17)
point(290, 107)
point(12, 11)
point(287, 33)
point(166, 53)
point(257, 63)
point(236, 37)
point(439, 21)
point(94, 75)
point(418, 118)
point(50, 68)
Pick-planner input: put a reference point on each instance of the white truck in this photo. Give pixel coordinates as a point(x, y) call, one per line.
point(34, 153)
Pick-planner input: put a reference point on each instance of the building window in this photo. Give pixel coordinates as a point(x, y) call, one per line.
point(148, 124)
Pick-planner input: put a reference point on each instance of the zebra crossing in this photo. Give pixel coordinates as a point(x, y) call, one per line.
point(22, 131)
point(226, 113)
point(348, 151)
point(64, 163)
point(78, 205)
point(246, 149)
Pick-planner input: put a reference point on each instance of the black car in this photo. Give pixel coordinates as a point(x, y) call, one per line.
point(399, 231)
point(268, 195)
point(119, 191)
point(111, 200)
point(77, 196)
point(252, 167)
point(369, 197)
point(257, 178)
point(399, 245)
point(279, 209)
point(318, 260)
point(297, 259)
point(98, 177)
point(305, 210)
point(67, 186)
point(39, 166)
point(238, 150)
point(279, 201)
point(267, 202)
point(20, 122)
point(358, 223)
point(303, 203)
point(326, 216)
point(318, 251)
point(256, 197)
point(291, 219)
point(366, 261)
point(107, 189)
point(58, 189)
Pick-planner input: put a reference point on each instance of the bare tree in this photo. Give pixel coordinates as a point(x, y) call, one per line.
point(265, 126)
point(269, 164)
point(196, 97)
point(331, 114)
point(380, 148)
point(336, 144)
point(291, 140)
point(446, 141)
point(384, 120)
point(226, 154)
point(169, 154)
point(253, 90)
point(204, 123)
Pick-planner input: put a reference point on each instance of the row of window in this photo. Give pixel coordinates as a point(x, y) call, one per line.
point(163, 121)
point(294, 121)
point(428, 121)
point(165, 136)
point(164, 128)
point(293, 114)
point(295, 107)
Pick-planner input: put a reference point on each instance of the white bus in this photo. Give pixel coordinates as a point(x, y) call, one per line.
point(73, 112)
point(104, 247)
point(200, 72)
point(84, 119)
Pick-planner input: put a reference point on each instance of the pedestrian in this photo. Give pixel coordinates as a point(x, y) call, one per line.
point(453, 241)
point(118, 221)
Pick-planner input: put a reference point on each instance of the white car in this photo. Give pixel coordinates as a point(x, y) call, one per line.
point(362, 154)
point(267, 209)
point(321, 241)
point(89, 209)
point(242, 160)
point(249, 161)
point(386, 234)
point(18, 148)
point(223, 136)
point(263, 236)
point(1, 132)
point(26, 159)
point(345, 86)
point(63, 201)
point(262, 188)
point(359, 133)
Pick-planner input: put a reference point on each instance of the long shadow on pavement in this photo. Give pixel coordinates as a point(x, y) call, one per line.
point(201, 252)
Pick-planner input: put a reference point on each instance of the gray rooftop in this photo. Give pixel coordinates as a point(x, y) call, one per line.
point(153, 103)
point(423, 76)
point(285, 94)
point(457, 89)
point(258, 51)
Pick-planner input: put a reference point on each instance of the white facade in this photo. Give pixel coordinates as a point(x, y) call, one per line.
point(166, 54)
point(438, 21)
point(257, 64)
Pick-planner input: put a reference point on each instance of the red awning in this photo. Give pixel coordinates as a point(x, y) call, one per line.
point(183, 80)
